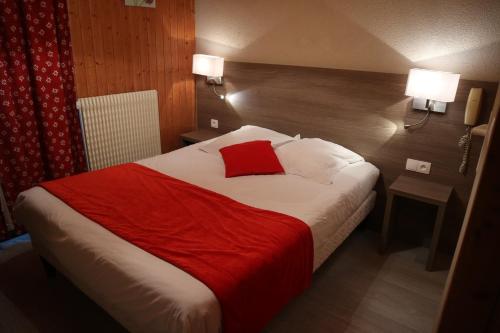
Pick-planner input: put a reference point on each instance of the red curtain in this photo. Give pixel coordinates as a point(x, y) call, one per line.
point(40, 134)
point(3, 228)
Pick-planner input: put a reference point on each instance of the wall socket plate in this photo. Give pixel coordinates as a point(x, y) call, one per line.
point(214, 123)
point(418, 166)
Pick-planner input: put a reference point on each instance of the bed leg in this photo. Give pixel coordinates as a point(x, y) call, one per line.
point(48, 268)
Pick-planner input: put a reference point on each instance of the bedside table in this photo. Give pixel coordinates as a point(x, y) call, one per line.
point(424, 191)
point(199, 135)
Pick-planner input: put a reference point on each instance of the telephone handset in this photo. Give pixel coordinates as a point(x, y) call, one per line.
point(471, 115)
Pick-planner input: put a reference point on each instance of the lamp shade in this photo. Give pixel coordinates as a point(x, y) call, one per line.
point(432, 85)
point(208, 65)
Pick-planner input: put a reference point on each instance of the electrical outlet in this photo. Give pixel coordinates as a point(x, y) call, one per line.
point(424, 167)
point(214, 123)
point(418, 166)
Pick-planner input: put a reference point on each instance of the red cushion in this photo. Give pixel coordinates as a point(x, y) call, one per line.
point(251, 158)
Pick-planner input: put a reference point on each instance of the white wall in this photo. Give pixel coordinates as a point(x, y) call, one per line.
point(461, 36)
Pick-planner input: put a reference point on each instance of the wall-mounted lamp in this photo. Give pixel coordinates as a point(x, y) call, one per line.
point(212, 67)
point(431, 90)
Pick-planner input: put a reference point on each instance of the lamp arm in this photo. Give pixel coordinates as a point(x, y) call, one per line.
point(221, 96)
point(421, 121)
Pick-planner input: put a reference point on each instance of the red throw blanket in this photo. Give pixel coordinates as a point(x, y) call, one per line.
point(254, 260)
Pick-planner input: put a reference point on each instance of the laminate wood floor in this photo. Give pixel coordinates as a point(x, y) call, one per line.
point(356, 290)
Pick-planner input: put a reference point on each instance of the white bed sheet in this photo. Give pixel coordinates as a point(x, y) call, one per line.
point(147, 294)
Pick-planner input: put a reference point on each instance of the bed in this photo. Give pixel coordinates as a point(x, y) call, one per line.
point(145, 293)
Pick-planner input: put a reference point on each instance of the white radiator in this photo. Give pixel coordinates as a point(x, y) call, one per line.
point(120, 128)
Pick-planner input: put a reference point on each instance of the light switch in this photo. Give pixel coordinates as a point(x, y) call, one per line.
point(411, 164)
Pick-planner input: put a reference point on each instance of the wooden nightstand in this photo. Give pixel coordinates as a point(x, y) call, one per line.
point(424, 191)
point(199, 135)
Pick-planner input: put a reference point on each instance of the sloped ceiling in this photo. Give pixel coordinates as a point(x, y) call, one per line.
point(461, 36)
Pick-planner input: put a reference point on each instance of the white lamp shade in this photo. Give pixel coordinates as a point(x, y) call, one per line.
point(433, 85)
point(208, 65)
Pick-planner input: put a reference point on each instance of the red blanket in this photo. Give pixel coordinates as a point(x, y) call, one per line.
point(255, 261)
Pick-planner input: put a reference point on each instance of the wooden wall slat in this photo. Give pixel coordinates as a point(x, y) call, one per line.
point(103, 72)
point(167, 49)
point(181, 64)
point(161, 76)
point(144, 47)
point(112, 62)
point(120, 49)
point(151, 34)
point(88, 47)
point(78, 58)
point(190, 27)
point(121, 52)
point(175, 52)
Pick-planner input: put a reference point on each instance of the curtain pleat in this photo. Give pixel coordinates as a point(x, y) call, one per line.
point(40, 134)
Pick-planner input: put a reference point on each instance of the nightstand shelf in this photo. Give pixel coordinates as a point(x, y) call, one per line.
point(199, 135)
point(420, 190)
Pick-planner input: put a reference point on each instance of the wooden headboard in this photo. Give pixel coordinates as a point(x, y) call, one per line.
point(363, 111)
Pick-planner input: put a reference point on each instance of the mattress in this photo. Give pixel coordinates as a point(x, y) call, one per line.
point(147, 294)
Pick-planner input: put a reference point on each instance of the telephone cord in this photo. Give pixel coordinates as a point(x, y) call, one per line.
point(465, 143)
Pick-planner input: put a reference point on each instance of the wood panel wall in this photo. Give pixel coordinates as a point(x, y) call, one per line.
point(121, 49)
point(363, 111)
point(471, 302)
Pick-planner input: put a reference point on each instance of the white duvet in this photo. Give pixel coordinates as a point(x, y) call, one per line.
point(147, 294)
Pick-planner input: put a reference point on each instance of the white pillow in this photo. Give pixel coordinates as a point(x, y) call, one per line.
point(314, 159)
point(244, 134)
point(342, 152)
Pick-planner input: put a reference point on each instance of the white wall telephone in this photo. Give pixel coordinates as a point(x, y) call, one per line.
point(471, 115)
